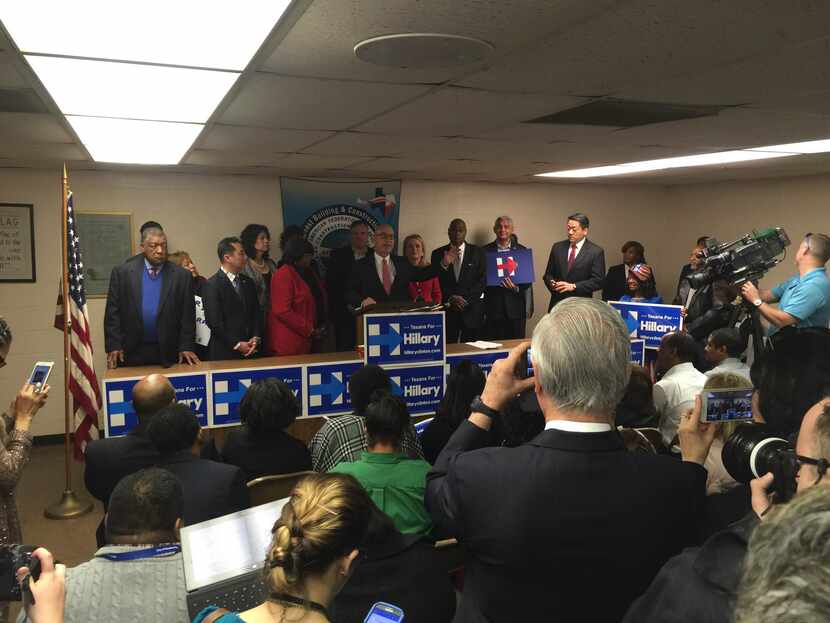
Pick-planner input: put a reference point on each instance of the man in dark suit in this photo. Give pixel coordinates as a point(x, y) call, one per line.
point(546, 523)
point(576, 266)
point(231, 306)
point(463, 284)
point(382, 277)
point(106, 461)
point(683, 286)
point(616, 281)
point(505, 304)
point(341, 262)
point(210, 489)
point(150, 317)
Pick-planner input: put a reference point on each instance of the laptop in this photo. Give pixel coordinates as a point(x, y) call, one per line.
point(223, 558)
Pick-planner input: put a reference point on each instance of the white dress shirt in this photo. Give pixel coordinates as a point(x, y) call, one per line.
point(731, 365)
point(460, 260)
point(379, 267)
point(578, 427)
point(232, 277)
point(674, 394)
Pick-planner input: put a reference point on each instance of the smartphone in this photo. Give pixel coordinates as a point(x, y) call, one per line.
point(524, 369)
point(382, 612)
point(726, 405)
point(40, 374)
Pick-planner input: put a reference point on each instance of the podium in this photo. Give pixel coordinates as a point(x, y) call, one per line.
point(387, 307)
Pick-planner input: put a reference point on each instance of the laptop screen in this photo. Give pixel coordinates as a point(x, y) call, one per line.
point(228, 546)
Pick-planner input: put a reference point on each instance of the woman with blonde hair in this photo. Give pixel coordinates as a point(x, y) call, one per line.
point(428, 291)
point(314, 546)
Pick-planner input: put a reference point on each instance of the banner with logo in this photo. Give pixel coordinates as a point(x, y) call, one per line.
point(327, 387)
point(517, 264)
point(485, 360)
point(638, 352)
point(229, 387)
point(421, 386)
point(650, 322)
point(326, 209)
point(404, 339)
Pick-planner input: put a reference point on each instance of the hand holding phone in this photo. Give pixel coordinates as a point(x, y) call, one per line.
point(382, 612)
point(40, 374)
point(726, 405)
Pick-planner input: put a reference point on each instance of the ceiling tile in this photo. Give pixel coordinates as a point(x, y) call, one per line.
point(236, 138)
point(9, 75)
point(50, 152)
point(32, 128)
point(246, 158)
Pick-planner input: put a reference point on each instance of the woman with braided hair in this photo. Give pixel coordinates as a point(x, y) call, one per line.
point(312, 552)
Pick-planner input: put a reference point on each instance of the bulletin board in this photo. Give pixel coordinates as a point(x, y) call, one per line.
point(17, 243)
point(106, 241)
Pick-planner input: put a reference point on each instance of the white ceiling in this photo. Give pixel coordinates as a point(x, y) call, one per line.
point(308, 106)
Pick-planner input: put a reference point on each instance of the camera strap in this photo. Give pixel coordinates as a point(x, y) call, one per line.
point(138, 554)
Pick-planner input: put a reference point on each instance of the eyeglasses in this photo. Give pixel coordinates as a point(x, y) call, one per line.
point(822, 465)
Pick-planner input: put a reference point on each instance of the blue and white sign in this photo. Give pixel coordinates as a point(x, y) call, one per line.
point(485, 360)
point(328, 387)
point(421, 386)
point(650, 322)
point(638, 352)
point(191, 389)
point(402, 339)
point(230, 386)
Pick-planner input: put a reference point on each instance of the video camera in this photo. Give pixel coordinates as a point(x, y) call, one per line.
point(753, 451)
point(747, 259)
point(12, 558)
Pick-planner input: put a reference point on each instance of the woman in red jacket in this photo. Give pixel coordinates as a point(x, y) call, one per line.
point(428, 291)
point(298, 304)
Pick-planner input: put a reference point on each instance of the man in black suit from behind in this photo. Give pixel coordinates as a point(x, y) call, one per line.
point(210, 489)
point(106, 461)
point(569, 526)
point(382, 277)
point(505, 304)
point(231, 306)
point(150, 318)
point(576, 266)
point(462, 284)
point(340, 264)
point(616, 281)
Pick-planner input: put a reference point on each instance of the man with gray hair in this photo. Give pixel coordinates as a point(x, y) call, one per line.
point(569, 526)
point(803, 300)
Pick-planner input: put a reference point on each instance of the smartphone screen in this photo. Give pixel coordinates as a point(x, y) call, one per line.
point(529, 364)
point(40, 373)
point(384, 613)
point(726, 405)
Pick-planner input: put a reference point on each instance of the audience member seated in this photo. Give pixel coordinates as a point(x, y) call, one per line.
point(108, 460)
point(636, 409)
point(466, 381)
point(139, 574)
point(720, 312)
point(312, 553)
point(262, 447)
point(700, 585)
point(395, 482)
point(401, 569)
point(680, 381)
point(341, 439)
point(785, 578)
point(571, 526)
point(723, 348)
point(211, 489)
point(641, 287)
point(719, 480)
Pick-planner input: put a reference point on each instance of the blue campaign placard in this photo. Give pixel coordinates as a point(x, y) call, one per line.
point(327, 387)
point(402, 339)
point(484, 359)
point(229, 387)
point(638, 352)
point(517, 264)
point(191, 389)
point(650, 322)
point(421, 386)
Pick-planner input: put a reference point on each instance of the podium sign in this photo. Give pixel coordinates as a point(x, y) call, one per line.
point(404, 339)
point(327, 387)
point(649, 322)
point(421, 386)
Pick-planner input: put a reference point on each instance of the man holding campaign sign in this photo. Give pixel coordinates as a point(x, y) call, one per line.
point(509, 274)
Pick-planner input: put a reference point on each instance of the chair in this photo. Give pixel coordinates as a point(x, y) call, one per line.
point(269, 488)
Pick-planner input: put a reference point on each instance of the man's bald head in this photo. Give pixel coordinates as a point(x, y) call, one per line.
point(151, 394)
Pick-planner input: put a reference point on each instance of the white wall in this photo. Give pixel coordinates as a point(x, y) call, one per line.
point(197, 210)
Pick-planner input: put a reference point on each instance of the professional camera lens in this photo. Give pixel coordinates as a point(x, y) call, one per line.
point(752, 451)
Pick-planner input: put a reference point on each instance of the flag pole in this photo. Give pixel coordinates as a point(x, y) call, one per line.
point(69, 505)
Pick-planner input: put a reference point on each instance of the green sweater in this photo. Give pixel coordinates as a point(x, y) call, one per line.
point(396, 484)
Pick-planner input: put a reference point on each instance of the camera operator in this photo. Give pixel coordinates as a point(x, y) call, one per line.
point(804, 300)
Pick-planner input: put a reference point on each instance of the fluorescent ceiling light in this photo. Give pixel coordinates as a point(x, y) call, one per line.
point(699, 160)
point(196, 33)
point(105, 89)
point(135, 142)
point(806, 147)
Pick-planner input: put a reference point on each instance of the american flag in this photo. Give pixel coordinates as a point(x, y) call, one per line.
point(83, 383)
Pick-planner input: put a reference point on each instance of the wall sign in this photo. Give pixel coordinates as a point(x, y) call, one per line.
point(17, 242)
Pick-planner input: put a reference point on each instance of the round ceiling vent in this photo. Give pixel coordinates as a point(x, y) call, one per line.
point(422, 50)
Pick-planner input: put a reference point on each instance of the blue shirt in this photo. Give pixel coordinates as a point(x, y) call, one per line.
point(806, 298)
point(150, 297)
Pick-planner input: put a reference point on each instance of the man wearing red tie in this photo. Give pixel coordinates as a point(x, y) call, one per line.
point(576, 266)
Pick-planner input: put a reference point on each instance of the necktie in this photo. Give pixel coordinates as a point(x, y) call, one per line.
point(456, 265)
point(387, 277)
point(154, 272)
point(571, 257)
point(235, 283)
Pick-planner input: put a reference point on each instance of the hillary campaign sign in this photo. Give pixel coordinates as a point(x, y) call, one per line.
point(327, 387)
point(485, 360)
point(517, 264)
point(421, 386)
point(638, 352)
point(401, 339)
point(650, 322)
point(230, 386)
point(191, 389)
